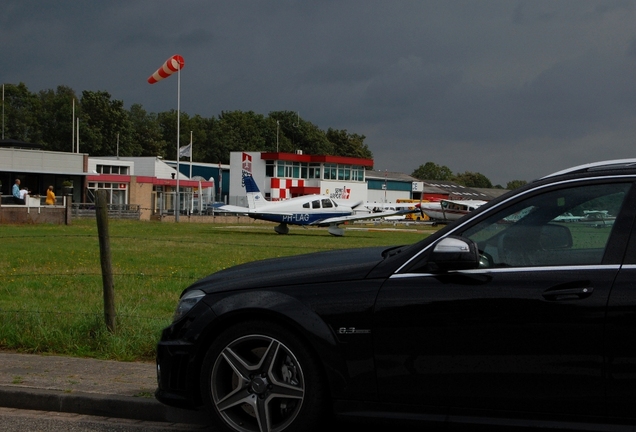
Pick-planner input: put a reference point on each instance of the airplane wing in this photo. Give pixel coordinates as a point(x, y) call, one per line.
point(354, 217)
point(252, 213)
point(233, 209)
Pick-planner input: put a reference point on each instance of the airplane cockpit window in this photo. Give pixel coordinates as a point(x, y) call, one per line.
point(315, 204)
point(551, 229)
point(326, 203)
point(306, 205)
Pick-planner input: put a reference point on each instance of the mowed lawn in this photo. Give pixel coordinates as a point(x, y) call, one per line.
point(51, 295)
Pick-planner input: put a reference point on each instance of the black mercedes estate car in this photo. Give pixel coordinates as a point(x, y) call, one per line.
point(522, 313)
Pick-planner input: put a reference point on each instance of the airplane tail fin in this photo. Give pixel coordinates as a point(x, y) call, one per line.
point(254, 197)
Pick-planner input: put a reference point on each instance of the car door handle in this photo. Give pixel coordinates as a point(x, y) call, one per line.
point(555, 294)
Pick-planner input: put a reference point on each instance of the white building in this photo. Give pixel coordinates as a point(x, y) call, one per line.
point(285, 175)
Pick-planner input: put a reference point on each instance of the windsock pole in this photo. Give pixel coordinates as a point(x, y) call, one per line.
point(177, 203)
point(170, 66)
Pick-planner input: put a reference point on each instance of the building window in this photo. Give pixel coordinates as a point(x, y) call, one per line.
point(330, 172)
point(112, 169)
point(288, 169)
point(269, 168)
point(344, 172)
point(117, 192)
point(313, 171)
point(357, 173)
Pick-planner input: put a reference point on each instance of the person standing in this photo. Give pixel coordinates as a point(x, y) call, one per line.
point(50, 196)
point(16, 192)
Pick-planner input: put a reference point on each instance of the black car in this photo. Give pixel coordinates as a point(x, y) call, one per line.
point(521, 313)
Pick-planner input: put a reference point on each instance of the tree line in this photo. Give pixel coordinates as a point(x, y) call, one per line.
point(107, 128)
point(433, 171)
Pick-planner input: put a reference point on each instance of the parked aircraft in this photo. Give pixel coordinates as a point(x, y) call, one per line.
point(308, 210)
point(597, 218)
point(449, 210)
point(568, 217)
point(380, 207)
point(403, 211)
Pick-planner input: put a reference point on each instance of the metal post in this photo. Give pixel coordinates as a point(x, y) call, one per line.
point(177, 206)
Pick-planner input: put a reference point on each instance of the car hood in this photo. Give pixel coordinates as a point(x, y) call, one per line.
point(319, 267)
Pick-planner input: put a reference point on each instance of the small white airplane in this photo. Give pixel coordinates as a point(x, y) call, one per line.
point(380, 207)
point(597, 218)
point(449, 210)
point(307, 210)
point(568, 217)
point(401, 210)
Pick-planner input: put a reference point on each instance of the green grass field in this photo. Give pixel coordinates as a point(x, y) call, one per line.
point(51, 296)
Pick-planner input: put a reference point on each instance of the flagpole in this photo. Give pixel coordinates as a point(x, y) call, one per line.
point(177, 209)
point(192, 193)
point(3, 111)
point(73, 128)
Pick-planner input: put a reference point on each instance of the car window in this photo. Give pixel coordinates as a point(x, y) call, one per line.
point(564, 227)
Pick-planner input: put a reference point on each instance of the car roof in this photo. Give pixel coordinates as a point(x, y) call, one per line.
point(597, 166)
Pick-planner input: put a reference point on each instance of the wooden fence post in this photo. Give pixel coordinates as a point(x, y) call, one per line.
point(101, 210)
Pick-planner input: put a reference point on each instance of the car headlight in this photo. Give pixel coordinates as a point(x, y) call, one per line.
point(186, 303)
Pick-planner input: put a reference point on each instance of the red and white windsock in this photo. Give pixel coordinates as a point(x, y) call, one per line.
point(171, 65)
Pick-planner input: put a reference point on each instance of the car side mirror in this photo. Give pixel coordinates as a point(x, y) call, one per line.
point(554, 236)
point(454, 253)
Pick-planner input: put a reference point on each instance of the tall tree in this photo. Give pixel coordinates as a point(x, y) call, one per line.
point(240, 131)
point(104, 123)
point(515, 184)
point(20, 113)
point(167, 121)
point(302, 135)
point(283, 130)
point(473, 179)
point(56, 118)
point(146, 133)
point(432, 171)
point(346, 144)
point(168, 125)
point(200, 138)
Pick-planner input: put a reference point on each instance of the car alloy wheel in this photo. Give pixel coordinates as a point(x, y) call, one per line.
point(255, 381)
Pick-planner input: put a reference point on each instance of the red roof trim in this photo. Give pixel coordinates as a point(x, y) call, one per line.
point(344, 160)
point(286, 157)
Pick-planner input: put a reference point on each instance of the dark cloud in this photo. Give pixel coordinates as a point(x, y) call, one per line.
point(511, 88)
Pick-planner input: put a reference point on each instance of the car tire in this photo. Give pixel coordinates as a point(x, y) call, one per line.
point(258, 376)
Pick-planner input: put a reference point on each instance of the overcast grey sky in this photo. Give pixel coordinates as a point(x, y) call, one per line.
point(514, 89)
